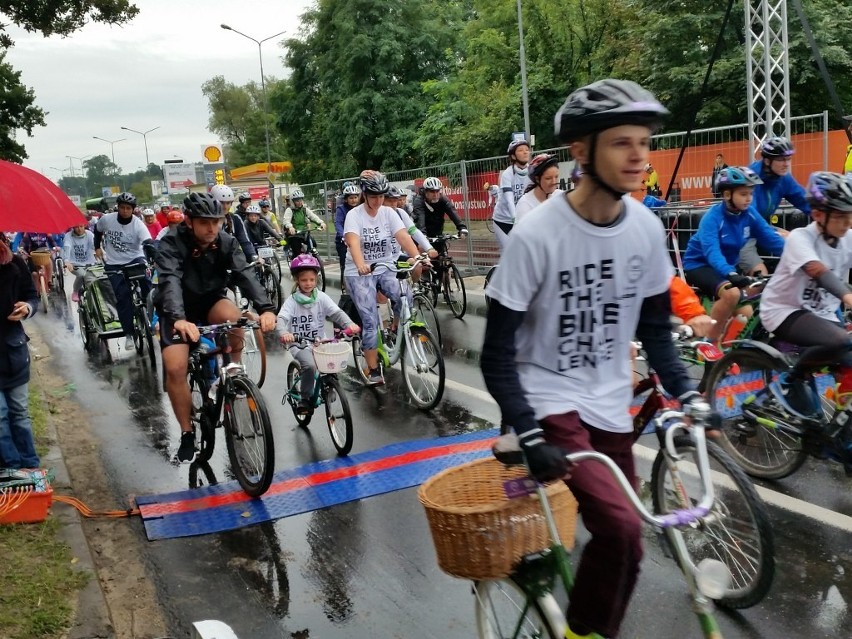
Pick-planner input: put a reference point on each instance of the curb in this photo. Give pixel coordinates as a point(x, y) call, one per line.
point(91, 619)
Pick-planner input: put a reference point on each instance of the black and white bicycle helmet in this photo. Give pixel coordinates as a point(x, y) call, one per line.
point(606, 104)
point(374, 183)
point(351, 189)
point(245, 197)
point(776, 147)
point(540, 163)
point(297, 195)
point(202, 205)
point(125, 198)
point(394, 191)
point(830, 192)
point(432, 184)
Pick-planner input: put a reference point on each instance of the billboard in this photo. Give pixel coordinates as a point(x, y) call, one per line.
point(179, 176)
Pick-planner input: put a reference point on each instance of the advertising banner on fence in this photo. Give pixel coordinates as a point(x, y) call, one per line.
point(179, 176)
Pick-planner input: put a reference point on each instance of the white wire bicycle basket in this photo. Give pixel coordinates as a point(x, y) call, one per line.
point(331, 357)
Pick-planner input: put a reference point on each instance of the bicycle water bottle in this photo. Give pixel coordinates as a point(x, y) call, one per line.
point(734, 328)
point(207, 345)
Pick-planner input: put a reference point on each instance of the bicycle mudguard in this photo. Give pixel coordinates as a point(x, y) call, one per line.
point(779, 359)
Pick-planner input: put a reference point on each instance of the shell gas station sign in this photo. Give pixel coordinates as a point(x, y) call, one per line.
point(212, 154)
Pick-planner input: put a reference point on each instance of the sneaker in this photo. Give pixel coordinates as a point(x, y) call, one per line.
point(128, 343)
point(374, 377)
point(186, 452)
point(75, 296)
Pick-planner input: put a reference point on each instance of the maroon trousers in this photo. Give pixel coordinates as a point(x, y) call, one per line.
point(609, 565)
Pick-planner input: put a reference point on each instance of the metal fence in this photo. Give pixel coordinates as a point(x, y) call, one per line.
point(464, 184)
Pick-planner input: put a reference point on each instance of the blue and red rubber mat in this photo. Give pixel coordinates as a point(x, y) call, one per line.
point(225, 506)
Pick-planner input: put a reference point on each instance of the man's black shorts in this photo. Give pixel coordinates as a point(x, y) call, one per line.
point(197, 309)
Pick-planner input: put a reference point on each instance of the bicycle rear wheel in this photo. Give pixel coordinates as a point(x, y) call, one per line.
point(505, 611)
point(337, 414)
point(321, 274)
point(59, 275)
point(741, 379)
point(87, 333)
point(425, 312)
point(454, 292)
point(248, 433)
point(272, 287)
point(737, 532)
point(147, 335)
point(423, 369)
point(254, 355)
point(293, 375)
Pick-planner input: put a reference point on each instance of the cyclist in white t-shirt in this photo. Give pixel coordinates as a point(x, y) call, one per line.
point(544, 178)
point(513, 183)
point(583, 274)
point(800, 302)
point(367, 231)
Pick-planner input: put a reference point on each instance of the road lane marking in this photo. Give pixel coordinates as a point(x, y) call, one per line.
point(770, 497)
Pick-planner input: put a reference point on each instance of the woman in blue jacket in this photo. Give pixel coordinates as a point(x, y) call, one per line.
point(778, 184)
point(710, 262)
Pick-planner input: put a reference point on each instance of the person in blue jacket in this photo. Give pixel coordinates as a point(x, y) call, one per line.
point(350, 198)
point(710, 261)
point(778, 184)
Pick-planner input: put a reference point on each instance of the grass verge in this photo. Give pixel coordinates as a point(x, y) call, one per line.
point(39, 578)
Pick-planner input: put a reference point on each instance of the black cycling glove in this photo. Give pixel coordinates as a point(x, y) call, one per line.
point(740, 281)
point(546, 461)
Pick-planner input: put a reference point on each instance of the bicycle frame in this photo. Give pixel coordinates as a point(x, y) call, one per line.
point(390, 355)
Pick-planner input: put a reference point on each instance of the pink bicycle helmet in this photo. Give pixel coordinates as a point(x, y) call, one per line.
point(303, 262)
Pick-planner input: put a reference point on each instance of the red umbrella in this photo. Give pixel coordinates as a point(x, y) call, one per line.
point(31, 203)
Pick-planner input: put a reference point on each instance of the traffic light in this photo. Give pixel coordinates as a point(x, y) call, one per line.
point(219, 176)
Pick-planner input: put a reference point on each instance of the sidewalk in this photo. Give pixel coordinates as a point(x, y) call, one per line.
point(472, 285)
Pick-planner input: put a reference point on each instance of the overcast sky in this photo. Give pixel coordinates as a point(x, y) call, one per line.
point(145, 74)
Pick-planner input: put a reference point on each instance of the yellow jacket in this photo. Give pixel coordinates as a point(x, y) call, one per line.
point(847, 168)
point(651, 180)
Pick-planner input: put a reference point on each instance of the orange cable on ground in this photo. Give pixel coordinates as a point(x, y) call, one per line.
point(89, 513)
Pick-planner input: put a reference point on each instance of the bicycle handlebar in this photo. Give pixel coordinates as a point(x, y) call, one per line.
point(509, 447)
point(243, 322)
point(445, 237)
point(391, 266)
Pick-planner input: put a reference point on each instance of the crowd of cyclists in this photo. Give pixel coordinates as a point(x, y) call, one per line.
point(584, 272)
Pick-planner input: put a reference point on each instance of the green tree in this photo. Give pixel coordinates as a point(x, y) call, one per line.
point(475, 108)
point(100, 172)
point(237, 117)
point(674, 66)
point(354, 98)
point(17, 112)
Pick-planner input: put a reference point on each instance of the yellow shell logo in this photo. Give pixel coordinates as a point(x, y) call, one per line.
point(212, 154)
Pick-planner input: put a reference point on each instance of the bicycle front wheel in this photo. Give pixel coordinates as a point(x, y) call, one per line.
point(248, 433)
point(254, 355)
point(59, 276)
point(337, 415)
point(146, 337)
point(359, 359)
point(272, 287)
point(202, 424)
point(321, 275)
point(425, 312)
point(42, 290)
point(454, 291)
point(293, 377)
point(423, 369)
point(505, 611)
point(737, 532)
point(738, 390)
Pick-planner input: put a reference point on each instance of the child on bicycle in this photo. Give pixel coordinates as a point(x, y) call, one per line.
point(800, 303)
point(303, 316)
point(585, 272)
point(710, 261)
point(78, 251)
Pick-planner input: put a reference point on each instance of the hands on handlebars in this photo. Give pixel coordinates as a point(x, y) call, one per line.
point(290, 338)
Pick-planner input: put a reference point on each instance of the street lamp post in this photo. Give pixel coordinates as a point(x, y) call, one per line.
point(144, 139)
point(524, 75)
point(71, 164)
point(265, 103)
point(111, 143)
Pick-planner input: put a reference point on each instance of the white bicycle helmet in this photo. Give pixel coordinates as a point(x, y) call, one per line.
point(222, 193)
point(297, 195)
point(432, 184)
point(351, 189)
point(252, 208)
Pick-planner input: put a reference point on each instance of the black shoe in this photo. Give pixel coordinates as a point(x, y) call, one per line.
point(186, 452)
point(375, 378)
point(303, 409)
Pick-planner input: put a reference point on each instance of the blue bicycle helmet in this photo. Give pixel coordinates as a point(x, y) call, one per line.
point(734, 176)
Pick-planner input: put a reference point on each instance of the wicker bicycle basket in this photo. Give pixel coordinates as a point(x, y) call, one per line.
point(331, 357)
point(478, 532)
point(40, 258)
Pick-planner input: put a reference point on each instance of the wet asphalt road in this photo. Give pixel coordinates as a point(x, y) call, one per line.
point(367, 569)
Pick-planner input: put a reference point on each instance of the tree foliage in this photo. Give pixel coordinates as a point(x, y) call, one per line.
point(354, 98)
point(237, 116)
point(17, 112)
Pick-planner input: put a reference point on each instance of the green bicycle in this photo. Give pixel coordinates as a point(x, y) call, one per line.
point(412, 344)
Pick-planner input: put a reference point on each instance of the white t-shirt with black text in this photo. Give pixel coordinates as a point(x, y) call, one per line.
point(528, 202)
point(514, 180)
point(581, 289)
point(307, 321)
point(791, 289)
point(122, 243)
point(375, 233)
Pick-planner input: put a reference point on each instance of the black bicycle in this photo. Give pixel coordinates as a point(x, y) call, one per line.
point(444, 277)
point(270, 282)
point(236, 405)
point(143, 334)
point(58, 274)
